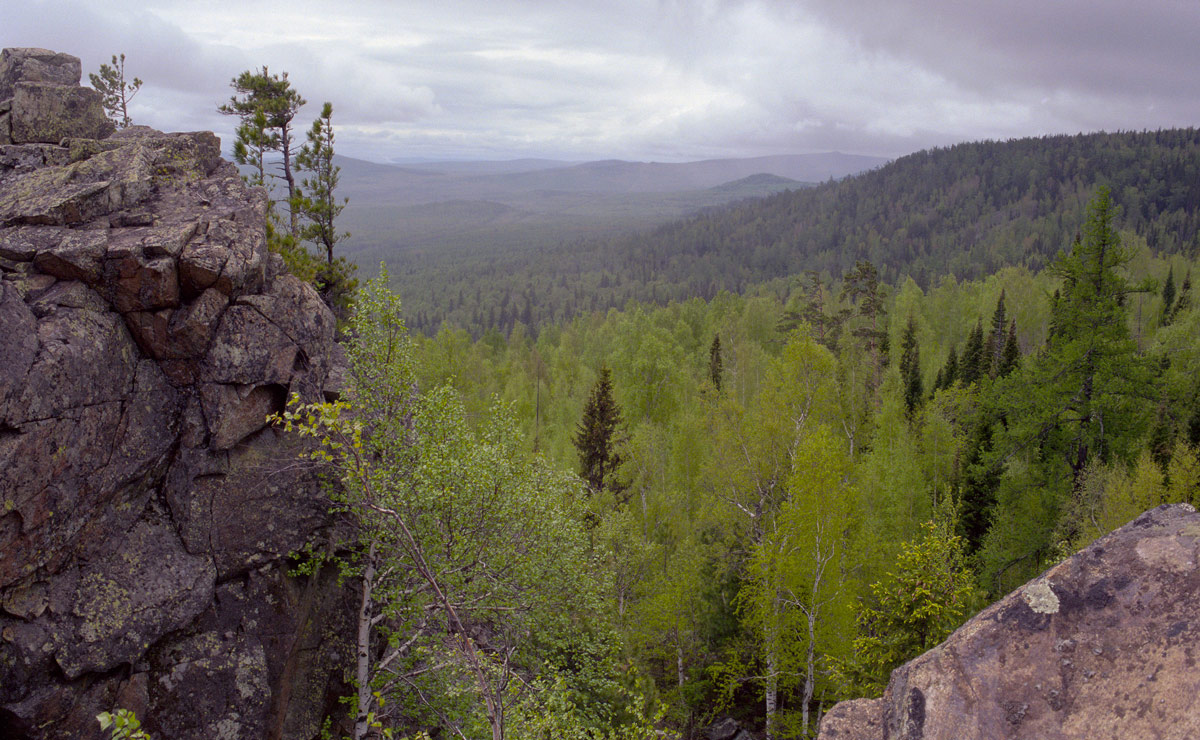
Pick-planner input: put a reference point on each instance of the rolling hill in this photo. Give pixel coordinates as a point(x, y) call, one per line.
point(436, 207)
point(965, 210)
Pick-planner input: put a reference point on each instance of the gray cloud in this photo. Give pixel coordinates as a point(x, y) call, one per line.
point(672, 79)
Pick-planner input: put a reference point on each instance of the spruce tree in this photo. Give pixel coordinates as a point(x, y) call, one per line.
point(997, 337)
point(1168, 296)
point(715, 364)
point(977, 480)
point(910, 368)
point(596, 438)
point(1184, 300)
point(1086, 399)
point(1011, 358)
point(974, 359)
point(950, 370)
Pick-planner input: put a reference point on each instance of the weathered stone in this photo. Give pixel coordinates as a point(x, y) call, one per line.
point(192, 326)
point(77, 255)
point(48, 113)
point(860, 718)
point(247, 515)
point(150, 331)
point(116, 606)
point(234, 358)
point(16, 159)
point(19, 349)
point(37, 65)
point(135, 469)
point(723, 730)
point(234, 412)
point(27, 602)
point(140, 283)
point(81, 149)
point(1101, 645)
point(200, 268)
point(21, 244)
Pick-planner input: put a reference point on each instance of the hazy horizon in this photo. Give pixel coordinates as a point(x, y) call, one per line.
point(667, 81)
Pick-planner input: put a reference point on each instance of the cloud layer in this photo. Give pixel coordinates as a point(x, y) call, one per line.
point(638, 79)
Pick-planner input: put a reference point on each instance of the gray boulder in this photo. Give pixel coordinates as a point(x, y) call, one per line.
point(1102, 645)
point(37, 65)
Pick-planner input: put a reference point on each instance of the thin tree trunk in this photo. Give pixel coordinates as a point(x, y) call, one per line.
point(286, 148)
point(679, 661)
point(810, 660)
point(363, 649)
point(771, 693)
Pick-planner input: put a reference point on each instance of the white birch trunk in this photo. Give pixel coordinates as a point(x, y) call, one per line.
point(363, 649)
point(771, 692)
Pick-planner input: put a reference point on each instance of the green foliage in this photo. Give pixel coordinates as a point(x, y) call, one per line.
point(910, 369)
point(123, 724)
point(115, 91)
point(1168, 296)
point(460, 534)
point(265, 105)
point(912, 609)
point(598, 439)
point(317, 203)
point(1085, 398)
point(716, 366)
point(556, 712)
point(716, 539)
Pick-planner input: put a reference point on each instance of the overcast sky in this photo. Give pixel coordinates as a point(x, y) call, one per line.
point(671, 80)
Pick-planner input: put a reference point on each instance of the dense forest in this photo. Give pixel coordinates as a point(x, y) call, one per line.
point(966, 210)
point(753, 505)
point(749, 463)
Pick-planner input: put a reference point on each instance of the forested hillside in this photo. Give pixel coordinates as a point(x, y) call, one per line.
point(966, 210)
point(786, 497)
point(435, 212)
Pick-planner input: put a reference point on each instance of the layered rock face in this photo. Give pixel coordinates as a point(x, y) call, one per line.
point(147, 511)
point(1102, 646)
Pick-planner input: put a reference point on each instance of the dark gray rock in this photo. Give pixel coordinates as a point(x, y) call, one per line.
point(48, 113)
point(147, 511)
point(724, 729)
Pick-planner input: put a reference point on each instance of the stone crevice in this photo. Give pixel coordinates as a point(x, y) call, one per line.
point(145, 491)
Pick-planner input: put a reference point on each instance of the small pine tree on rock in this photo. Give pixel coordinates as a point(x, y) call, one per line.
point(115, 91)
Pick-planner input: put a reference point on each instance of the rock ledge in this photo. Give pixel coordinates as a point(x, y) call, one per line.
point(147, 512)
point(1103, 645)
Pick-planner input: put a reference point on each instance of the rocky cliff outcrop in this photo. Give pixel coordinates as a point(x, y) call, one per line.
point(147, 511)
point(1102, 646)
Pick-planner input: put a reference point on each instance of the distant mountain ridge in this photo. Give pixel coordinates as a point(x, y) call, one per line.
point(431, 182)
point(966, 210)
point(401, 207)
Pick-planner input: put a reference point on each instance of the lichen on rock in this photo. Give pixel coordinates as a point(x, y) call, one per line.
point(147, 511)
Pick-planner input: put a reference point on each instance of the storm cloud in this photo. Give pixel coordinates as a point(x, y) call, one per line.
point(667, 80)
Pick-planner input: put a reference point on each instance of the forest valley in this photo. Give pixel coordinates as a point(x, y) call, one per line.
point(753, 506)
